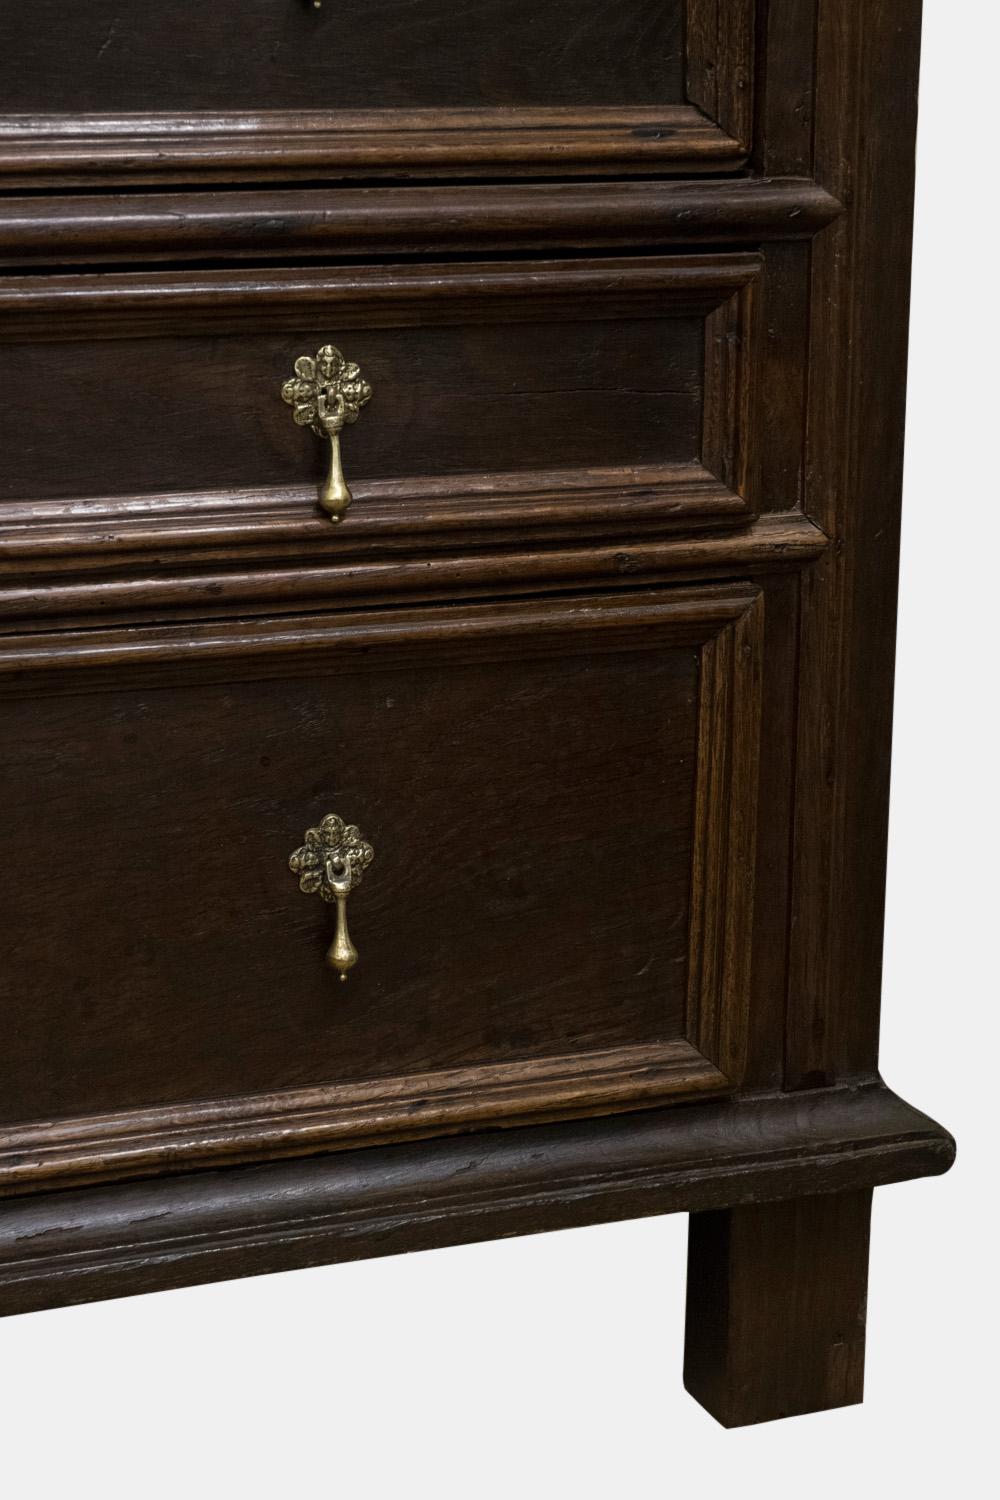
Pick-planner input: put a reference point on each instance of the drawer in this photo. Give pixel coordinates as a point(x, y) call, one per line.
point(560, 796)
point(396, 89)
point(507, 402)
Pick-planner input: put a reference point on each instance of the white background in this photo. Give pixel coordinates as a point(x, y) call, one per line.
point(551, 1366)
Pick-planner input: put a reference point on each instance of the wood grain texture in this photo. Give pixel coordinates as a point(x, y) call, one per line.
point(418, 145)
point(260, 224)
point(485, 398)
point(617, 594)
point(499, 89)
point(601, 374)
point(777, 1297)
point(79, 1246)
point(729, 690)
point(401, 515)
point(492, 53)
point(524, 948)
point(202, 564)
point(265, 646)
point(865, 127)
point(147, 1142)
point(135, 305)
point(719, 46)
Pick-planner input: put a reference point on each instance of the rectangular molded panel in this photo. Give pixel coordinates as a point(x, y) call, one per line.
point(506, 397)
point(139, 416)
point(560, 795)
point(235, 55)
point(277, 90)
point(532, 822)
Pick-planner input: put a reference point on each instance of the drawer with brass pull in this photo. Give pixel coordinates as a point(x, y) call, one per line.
point(520, 834)
point(448, 539)
point(175, 434)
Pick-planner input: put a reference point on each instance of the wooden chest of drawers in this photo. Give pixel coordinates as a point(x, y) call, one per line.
point(448, 530)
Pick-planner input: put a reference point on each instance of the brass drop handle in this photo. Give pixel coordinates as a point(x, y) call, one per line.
point(327, 393)
point(331, 863)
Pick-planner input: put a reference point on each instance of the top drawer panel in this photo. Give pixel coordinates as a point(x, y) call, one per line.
point(138, 92)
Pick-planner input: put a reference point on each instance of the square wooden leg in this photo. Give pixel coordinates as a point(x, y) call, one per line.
point(776, 1307)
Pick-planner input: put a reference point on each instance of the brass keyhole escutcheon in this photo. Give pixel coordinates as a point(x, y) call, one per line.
point(327, 393)
point(330, 864)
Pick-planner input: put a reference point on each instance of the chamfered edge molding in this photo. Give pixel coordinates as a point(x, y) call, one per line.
point(135, 304)
point(262, 223)
point(50, 150)
point(84, 1245)
point(78, 588)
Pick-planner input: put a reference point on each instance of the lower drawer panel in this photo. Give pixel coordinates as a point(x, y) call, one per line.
point(560, 799)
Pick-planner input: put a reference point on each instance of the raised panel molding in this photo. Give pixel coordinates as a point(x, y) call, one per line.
point(720, 50)
point(53, 550)
point(707, 132)
point(725, 622)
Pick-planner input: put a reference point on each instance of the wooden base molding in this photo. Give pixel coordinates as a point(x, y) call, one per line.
point(599, 658)
point(81, 1246)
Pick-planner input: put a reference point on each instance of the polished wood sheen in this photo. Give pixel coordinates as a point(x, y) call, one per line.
point(293, 55)
point(635, 743)
point(495, 87)
point(600, 659)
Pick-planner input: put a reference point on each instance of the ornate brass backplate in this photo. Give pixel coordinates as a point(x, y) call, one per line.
point(327, 393)
point(330, 864)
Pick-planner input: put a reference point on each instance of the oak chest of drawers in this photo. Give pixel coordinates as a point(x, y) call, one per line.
point(448, 531)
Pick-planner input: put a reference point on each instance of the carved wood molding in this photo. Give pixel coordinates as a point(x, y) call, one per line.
point(138, 304)
point(723, 622)
point(56, 548)
point(708, 131)
point(280, 579)
point(60, 1248)
point(260, 224)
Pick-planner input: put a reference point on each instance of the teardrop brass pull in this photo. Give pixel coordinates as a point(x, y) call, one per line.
point(327, 394)
point(330, 863)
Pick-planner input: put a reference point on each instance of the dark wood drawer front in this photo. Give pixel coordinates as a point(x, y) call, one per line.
point(237, 55)
point(284, 87)
point(554, 397)
point(453, 400)
point(560, 797)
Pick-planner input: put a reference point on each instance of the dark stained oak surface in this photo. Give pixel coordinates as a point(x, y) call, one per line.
point(206, 411)
point(136, 93)
point(600, 660)
point(258, 224)
point(509, 367)
point(532, 824)
point(252, 55)
point(517, 966)
point(59, 1248)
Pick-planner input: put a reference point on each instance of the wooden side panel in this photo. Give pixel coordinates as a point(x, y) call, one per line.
point(865, 127)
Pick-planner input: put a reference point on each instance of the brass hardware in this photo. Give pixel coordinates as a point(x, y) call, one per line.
point(331, 863)
point(328, 393)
